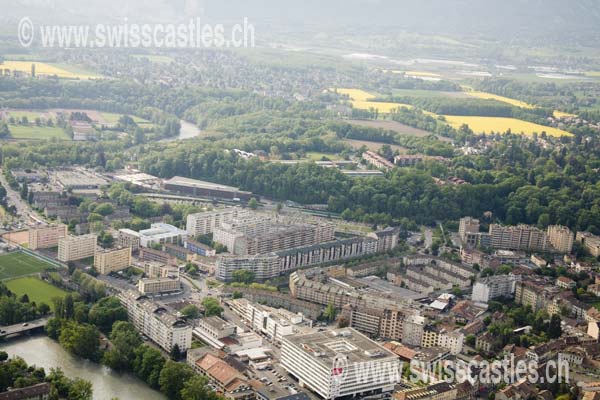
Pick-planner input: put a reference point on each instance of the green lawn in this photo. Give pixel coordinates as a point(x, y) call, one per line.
point(17, 264)
point(36, 289)
point(36, 132)
point(314, 156)
point(113, 119)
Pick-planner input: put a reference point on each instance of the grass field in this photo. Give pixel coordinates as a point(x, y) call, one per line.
point(113, 119)
point(41, 68)
point(497, 124)
point(36, 289)
point(36, 132)
point(17, 264)
point(314, 156)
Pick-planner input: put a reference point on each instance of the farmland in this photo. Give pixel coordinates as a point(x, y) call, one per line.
point(397, 127)
point(507, 100)
point(20, 264)
point(362, 101)
point(41, 68)
point(497, 124)
point(36, 289)
point(36, 132)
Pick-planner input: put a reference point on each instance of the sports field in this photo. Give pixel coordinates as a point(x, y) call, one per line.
point(35, 132)
point(36, 289)
point(17, 264)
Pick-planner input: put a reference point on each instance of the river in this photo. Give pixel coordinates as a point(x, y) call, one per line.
point(45, 352)
point(188, 130)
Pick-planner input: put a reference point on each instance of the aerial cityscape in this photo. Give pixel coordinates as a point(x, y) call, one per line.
point(299, 200)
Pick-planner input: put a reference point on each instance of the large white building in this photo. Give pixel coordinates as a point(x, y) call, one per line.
point(161, 234)
point(493, 287)
point(205, 222)
point(340, 362)
point(156, 322)
point(160, 285)
point(72, 248)
point(561, 238)
point(273, 322)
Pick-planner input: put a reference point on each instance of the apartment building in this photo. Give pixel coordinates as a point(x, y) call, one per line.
point(155, 286)
point(258, 236)
point(534, 293)
point(590, 242)
point(272, 322)
point(111, 260)
point(413, 330)
point(73, 248)
point(453, 341)
point(520, 237)
point(387, 239)
point(148, 254)
point(200, 248)
point(467, 225)
point(154, 269)
point(314, 359)
point(45, 237)
point(377, 161)
point(263, 266)
point(128, 238)
point(492, 287)
point(206, 222)
point(161, 234)
point(561, 238)
point(156, 322)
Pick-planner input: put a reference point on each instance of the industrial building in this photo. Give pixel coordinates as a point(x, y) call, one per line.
point(160, 233)
point(205, 189)
point(160, 285)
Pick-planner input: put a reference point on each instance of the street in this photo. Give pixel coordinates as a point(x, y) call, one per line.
point(27, 214)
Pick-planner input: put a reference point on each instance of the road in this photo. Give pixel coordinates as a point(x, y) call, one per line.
point(23, 209)
point(23, 327)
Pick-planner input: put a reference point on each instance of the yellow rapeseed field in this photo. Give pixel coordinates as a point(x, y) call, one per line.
point(562, 114)
point(497, 124)
point(422, 73)
point(361, 100)
point(44, 69)
point(507, 100)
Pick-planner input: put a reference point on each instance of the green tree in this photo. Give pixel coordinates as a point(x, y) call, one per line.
point(196, 389)
point(80, 390)
point(190, 311)
point(148, 364)
point(330, 312)
point(125, 340)
point(173, 377)
point(243, 276)
point(175, 352)
point(211, 307)
point(83, 340)
point(253, 203)
point(105, 312)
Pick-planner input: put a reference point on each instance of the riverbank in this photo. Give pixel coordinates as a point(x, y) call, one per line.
point(42, 351)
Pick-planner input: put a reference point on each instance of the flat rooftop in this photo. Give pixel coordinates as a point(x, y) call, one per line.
point(325, 345)
point(181, 181)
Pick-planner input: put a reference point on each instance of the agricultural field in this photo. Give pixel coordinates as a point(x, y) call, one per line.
point(361, 100)
point(41, 68)
point(18, 264)
point(35, 132)
point(497, 124)
point(113, 119)
point(397, 127)
point(36, 289)
point(507, 100)
point(373, 146)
